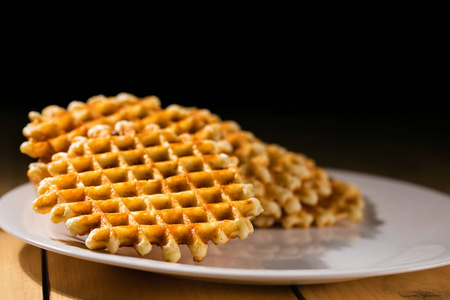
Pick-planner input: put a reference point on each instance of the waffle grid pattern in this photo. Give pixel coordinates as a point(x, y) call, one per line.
point(52, 130)
point(292, 190)
point(284, 181)
point(153, 187)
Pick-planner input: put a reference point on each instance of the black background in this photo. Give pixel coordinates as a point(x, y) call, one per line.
point(361, 97)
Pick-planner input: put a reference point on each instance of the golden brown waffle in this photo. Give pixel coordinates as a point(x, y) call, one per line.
point(51, 131)
point(137, 188)
point(284, 181)
point(344, 203)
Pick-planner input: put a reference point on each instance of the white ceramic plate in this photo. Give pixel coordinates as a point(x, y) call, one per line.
point(406, 228)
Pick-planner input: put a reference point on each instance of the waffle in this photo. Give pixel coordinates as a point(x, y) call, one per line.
point(270, 167)
point(344, 203)
point(127, 187)
point(51, 131)
point(285, 182)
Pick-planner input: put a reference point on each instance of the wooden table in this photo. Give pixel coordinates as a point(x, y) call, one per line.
point(27, 272)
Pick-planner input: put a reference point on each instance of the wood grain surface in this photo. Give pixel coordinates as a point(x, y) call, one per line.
point(20, 269)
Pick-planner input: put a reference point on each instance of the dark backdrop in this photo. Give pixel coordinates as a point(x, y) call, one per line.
point(366, 99)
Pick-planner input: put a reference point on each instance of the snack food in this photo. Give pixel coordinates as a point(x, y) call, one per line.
point(51, 131)
point(98, 155)
point(150, 187)
point(284, 181)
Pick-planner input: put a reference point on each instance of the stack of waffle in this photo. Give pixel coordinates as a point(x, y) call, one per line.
point(127, 173)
